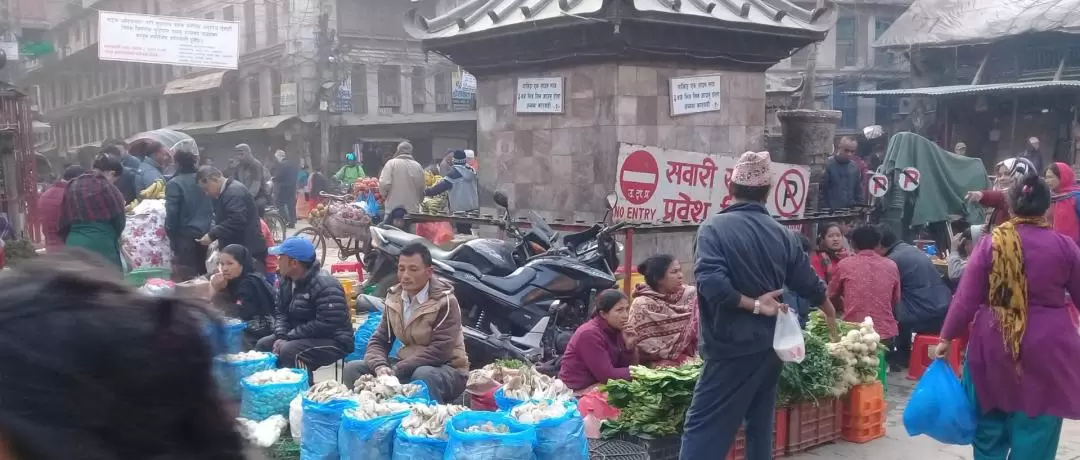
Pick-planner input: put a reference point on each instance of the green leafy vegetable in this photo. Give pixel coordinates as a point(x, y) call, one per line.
point(654, 403)
point(818, 327)
point(509, 363)
point(812, 379)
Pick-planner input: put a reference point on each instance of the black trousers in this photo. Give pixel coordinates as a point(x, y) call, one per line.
point(901, 354)
point(445, 383)
point(732, 391)
point(309, 354)
point(286, 203)
point(189, 258)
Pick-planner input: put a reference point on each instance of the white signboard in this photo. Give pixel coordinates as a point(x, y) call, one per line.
point(287, 104)
point(695, 94)
point(540, 95)
point(167, 40)
point(658, 185)
point(11, 50)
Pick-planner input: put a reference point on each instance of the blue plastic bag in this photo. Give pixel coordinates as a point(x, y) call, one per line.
point(562, 438)
point(234, 335)
point(517, 444)
point(395, 348)
point(408, 447)
point(940, 408)
point(363, 334)
point(319, 435)
point(503, 402)
point(367, 439)
point(259, 402)
point(228, 374)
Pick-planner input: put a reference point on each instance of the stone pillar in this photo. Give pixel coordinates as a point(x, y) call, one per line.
point(148, 114)
point(163, 108)
point(406, 89)
point(808, 140)
point(266, 94)
point(245, 97)
point(372, 75)
point(429, 93)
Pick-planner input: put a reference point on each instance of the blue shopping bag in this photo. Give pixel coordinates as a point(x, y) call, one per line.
point(940, 408)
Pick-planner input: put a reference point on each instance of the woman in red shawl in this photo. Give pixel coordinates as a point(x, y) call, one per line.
point(1062, 214)
point(663, 316)
point(830, 250)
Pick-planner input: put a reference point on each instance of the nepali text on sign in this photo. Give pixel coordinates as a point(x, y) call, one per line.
point(167, 40)
point(540, 95)
point(695, 94)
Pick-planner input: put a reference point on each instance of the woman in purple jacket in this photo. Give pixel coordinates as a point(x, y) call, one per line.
point(1022, 350)
point(598, 352)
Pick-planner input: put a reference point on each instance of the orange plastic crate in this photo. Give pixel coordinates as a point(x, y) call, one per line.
point(780, 435)
point(813, 424)
point(864, 413)
point(863, 435)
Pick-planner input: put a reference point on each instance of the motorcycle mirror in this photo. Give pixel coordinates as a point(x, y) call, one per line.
point(502, 200)
point(612, 200)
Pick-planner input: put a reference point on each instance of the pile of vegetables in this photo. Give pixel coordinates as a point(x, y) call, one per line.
point(857, 353)
point(366, 185)
point(434, 204)
point(429, 421)
point(814, 378)
point(535, 411)
point(654, 403)
point(385, 387)
point(530, 384)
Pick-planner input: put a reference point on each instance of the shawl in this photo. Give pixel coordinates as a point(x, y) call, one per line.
point(1008, 284)
point(1062, 213)
point(665, 326)
point(91, 198)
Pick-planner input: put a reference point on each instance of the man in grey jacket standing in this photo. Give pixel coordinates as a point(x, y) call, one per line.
point(251, 173)
point(402, 180)
point(460, 181)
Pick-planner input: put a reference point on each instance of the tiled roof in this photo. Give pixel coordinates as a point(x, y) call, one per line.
point(475, 16)
point(965, 22)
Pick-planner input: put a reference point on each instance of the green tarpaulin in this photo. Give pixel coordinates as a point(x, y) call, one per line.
point(945, 179)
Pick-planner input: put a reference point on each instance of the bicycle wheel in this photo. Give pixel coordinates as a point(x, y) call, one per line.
point(278, 227)
point(317, 239)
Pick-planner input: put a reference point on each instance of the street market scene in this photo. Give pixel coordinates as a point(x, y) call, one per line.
point(535, 229)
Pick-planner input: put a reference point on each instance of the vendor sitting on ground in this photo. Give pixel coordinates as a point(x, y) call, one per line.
point(312, 327)
point(422, 312)
point(663, 316)
point(242, 292)
point(598, 352)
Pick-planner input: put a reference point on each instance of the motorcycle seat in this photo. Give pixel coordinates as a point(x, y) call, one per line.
point(402, 238)
point(511, 283)
point(461, 266)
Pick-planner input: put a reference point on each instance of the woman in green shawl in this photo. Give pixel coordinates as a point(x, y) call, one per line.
point(92, 216)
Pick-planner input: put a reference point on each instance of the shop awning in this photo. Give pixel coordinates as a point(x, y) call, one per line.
point(974, 90)
point(256, 124)
point(199, 127)
point(350, 119)
point(194, 84)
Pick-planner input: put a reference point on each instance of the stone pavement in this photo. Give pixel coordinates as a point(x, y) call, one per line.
point(897, 445)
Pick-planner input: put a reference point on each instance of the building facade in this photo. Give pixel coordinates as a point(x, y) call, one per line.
point(272, 100)
point(847, 61)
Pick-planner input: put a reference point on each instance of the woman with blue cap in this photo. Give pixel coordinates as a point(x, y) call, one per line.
point(351, 171)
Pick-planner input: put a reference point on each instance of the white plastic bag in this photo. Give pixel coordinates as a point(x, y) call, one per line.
point(788, 338)
point(263, 434)
point(296, 417)
point(211, 258)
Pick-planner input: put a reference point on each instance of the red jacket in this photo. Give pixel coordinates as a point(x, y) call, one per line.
point(995, 199)
point(50, 203)
point(596, 353)
point(1062, 213)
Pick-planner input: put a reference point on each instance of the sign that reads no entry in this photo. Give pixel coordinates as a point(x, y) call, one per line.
point(658, 185)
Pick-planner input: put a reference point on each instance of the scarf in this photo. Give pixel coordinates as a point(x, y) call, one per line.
point(91, 198)
point(666, 326)
point(1008, 284)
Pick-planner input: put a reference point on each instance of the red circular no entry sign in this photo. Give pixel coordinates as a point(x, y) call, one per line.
point(638, 177)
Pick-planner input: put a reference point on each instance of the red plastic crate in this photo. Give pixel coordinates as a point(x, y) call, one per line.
point(813, 424)
point(923, 346)
point(780, 438)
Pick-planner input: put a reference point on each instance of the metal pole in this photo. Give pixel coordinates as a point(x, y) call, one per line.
point(324, 46)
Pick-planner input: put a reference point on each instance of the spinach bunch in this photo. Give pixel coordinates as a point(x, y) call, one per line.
point(654, 403)
point(812, 379)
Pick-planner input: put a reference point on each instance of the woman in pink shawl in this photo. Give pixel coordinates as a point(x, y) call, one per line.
point(663, 316)
point(1062, 215)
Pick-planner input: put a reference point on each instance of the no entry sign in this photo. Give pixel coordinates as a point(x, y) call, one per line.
point(657, 185)
point(878, 184)
point(909, 179)
point(638, 177)
point(789, 193)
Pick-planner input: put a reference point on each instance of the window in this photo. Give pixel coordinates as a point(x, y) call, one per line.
point(847, 51)
point(155, 115)
point(249, 26)
point(271, 23)
point(419, 89)
point(442, 91)
point(197, 107)
point(215, 108)
point(882, 58)
point(390, 88)
point(886, 107)
point(359, 88)
point(847, 104)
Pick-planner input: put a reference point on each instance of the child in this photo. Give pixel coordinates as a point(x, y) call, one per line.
point(271, 261)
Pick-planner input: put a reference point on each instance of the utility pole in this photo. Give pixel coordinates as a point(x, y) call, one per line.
point(325, 46)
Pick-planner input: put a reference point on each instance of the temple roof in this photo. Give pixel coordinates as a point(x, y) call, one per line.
point(475, 18)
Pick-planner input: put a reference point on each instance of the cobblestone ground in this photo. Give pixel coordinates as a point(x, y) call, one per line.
point(896, 445)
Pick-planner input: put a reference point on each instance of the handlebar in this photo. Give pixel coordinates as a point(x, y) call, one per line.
point(344, 198)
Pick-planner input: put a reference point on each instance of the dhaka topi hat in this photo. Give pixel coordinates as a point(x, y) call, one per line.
point(752, 170)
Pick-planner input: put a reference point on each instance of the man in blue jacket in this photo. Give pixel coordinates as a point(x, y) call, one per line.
point(460, 181)
point(745, 258)
point(924, 296)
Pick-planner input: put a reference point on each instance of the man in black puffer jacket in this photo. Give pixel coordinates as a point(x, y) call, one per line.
point(236, 216)
point(312, 327)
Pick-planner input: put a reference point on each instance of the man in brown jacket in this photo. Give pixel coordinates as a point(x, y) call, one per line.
point(422, 312)
point(401, 181)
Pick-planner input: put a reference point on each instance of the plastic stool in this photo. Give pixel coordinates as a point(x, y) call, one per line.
point(349, 267)
point(920, 355)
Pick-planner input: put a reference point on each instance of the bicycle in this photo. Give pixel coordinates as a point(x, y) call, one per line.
point(279, 229)
point(320, 233)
